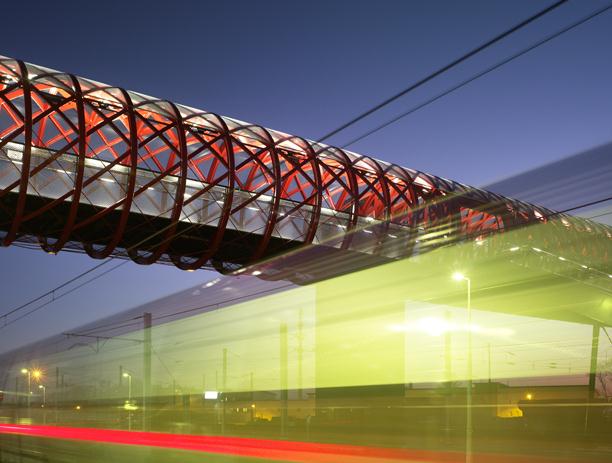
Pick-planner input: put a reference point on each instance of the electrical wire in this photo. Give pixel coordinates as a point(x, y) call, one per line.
point(478, 75)
point(445, 68)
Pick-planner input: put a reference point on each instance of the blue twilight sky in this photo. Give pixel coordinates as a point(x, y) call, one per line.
point(305, 68)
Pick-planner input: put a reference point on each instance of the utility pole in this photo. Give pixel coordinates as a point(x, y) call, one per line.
point(146, 390)
point(283, 378)
point(300, 352)
point(592, 375)
point(224, 384)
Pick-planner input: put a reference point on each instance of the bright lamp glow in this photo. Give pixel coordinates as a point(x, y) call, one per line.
point(211, 395)
point(458, 276)
point(126, 375)
point(24, 371)
point(37, 374)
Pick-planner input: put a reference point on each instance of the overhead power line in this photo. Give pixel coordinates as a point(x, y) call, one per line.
point(479, 75)
point(445, 68)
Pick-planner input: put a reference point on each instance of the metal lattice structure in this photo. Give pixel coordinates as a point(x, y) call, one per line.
point(113, 172)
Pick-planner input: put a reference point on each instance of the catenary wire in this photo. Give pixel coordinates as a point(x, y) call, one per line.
point(478, 75)
point(445, 68)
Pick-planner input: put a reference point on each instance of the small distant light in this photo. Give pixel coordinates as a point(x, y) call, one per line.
point(562, 258)
point(24, 371)
point(458, 276)
point(78, 407)
point(252, 405)
point(529, 396)
point(212, 283)
point(256, 273)
point(584, 266)
point(514, 248)
point(126, 375)
point(211, 395)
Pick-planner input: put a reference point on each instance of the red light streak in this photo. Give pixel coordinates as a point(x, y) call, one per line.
point(295, 451)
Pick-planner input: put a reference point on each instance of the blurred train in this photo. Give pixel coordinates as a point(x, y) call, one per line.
point(387, 363)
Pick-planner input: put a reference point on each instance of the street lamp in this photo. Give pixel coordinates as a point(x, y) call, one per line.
point(36, 374)
point(44, 391)
point(26, 371)
point(458, 276)
point(129, 401)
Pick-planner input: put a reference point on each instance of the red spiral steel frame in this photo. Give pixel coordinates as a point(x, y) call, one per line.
point(68, 115)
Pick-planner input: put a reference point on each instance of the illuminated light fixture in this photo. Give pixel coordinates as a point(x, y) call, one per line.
point(537, 249)
point(24, 371)
point(584, 266)
point(78, 407)
point(458, 276)
point(211, 395)
point(256, 273)
point(128, 405)
point(529, 396)
point(191, 270)
point(36, 374)
point(562, 258)
point(514, 248)
point(252, 405)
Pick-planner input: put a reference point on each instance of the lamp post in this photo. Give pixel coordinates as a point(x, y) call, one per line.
point(44, 391)
point(129, 401)
point(457, 276)
point(26, 371)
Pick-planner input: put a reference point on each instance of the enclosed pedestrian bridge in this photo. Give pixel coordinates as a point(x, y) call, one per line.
point(96, 168)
